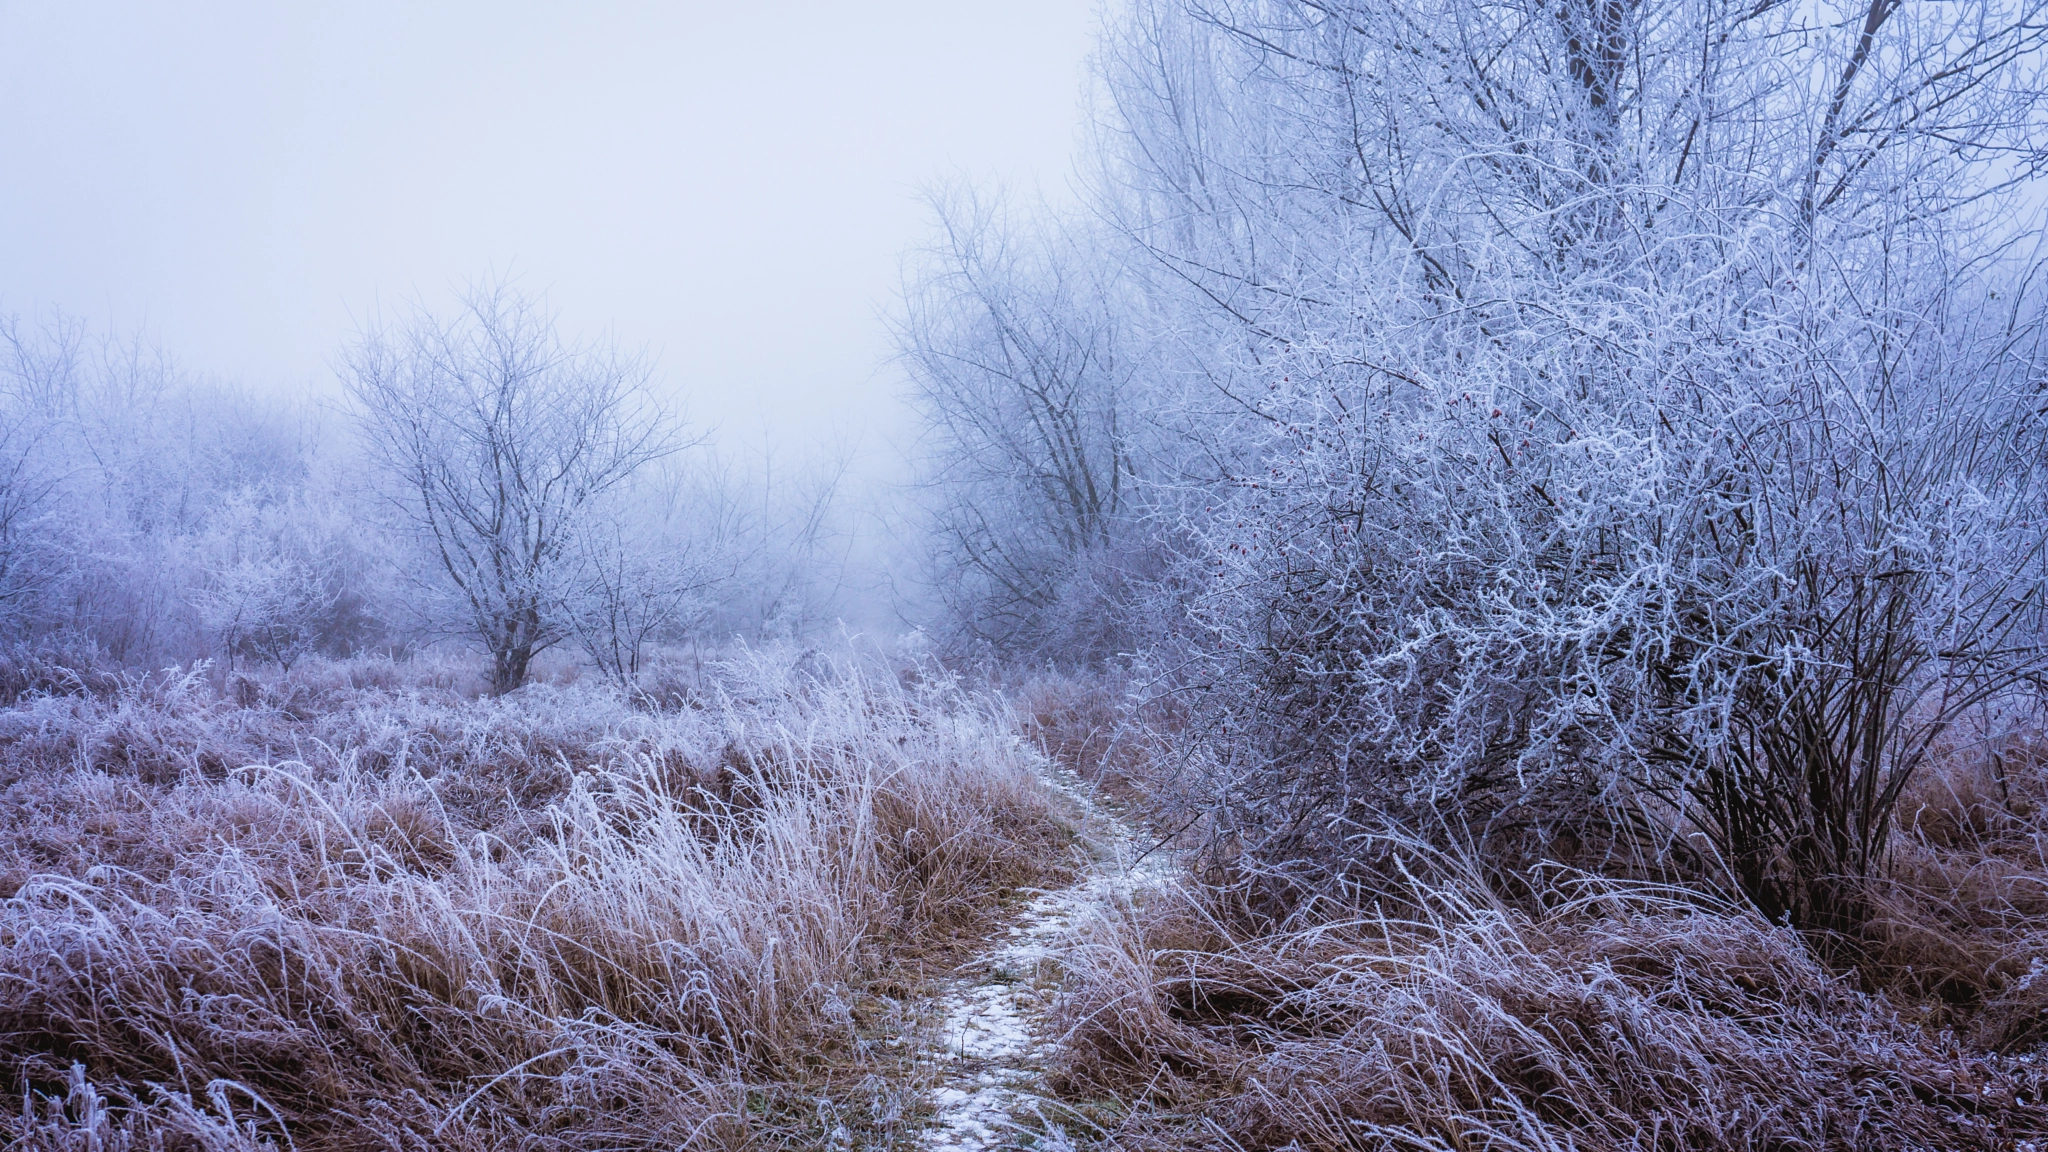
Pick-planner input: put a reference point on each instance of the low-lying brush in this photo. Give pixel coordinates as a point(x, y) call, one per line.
point(1614, 1017)
point(548, 920)
point(1960, 916)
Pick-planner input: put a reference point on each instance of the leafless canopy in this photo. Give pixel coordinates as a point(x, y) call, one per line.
point(1021, 367)
point(498, 438)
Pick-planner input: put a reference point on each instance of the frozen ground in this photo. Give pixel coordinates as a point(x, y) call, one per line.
point(993, 1042)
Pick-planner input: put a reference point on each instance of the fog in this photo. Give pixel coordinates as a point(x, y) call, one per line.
point(1258, 574)
point(729, 186)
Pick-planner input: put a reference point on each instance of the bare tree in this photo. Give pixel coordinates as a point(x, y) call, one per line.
point(32, 563)
point(498, 439)
point(1613, 415)
point(653, 562)
point(1020, 369)
point(791, 564)
point(39, 370)
point(41, 365)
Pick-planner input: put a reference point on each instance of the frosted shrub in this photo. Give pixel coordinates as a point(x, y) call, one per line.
point(1751, 605)
point(1619, 427)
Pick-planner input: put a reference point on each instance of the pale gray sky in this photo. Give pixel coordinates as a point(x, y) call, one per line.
point(730, 185)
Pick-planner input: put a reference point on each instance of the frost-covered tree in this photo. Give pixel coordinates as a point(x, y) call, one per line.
point(654, 562)
point(33, 564)
point(41, 364)
point(1022, 365)
point(499, 440)
point(119, 469)
point(1626, 410)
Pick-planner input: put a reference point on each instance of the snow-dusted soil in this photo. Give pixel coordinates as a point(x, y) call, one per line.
point(993, 1042)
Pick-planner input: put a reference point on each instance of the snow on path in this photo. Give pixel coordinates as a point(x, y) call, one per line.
point(993, 1040)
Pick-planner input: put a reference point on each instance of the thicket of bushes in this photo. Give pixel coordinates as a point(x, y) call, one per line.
point(1577, 428)
point(1446, 1001)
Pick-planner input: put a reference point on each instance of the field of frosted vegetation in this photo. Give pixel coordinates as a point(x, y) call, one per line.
point(366, 904)
point(361, 905)
point(1484, 589)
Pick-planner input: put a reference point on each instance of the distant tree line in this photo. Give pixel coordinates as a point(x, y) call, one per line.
point(483, 481)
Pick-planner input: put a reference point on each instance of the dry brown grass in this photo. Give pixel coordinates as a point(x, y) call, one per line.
point(1513, 1023)
point(550, 920)
point(1457, 1006)
point(1961, 926)
point(1617, 1017)
point(570, 919)
point(1128, 743)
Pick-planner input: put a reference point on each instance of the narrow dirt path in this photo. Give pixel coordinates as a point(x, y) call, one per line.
point(994, 1044)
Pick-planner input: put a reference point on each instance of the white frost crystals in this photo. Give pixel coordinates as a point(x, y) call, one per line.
point(992, 1042)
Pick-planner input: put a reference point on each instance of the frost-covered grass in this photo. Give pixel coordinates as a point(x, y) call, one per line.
point(358, 908)
point(365, 906)
point(1447, 1009)
point(1614, 1017)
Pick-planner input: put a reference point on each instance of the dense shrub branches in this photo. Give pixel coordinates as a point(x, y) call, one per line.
point(1660, 458)
point(1598, 423)
point(1754, 601)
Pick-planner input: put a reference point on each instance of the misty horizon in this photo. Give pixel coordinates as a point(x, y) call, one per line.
point(729, 189)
